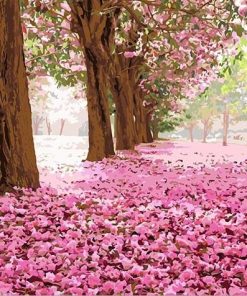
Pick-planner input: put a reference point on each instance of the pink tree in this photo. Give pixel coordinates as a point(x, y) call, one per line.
point(180, 41)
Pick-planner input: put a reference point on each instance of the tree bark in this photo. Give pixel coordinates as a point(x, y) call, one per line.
point(62, 127)
point(140, 120)
point(148, 129)
point(48, 125)
point(122, 83)
point(149, 109)
point(205, 131)
point(133, 68)
point(191, 128)
point(36, 123)
point(21, 165)
point(155, 128)
point(155, 131)
point(100, 134)
point(95, 31)
point(225, 125)
point(115, 125)
point(123, 98)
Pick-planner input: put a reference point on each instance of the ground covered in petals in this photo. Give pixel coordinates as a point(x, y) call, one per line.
point(170, 218)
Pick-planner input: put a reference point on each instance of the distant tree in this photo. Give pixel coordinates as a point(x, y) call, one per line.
point(38, 100)
point(63, 105)
point(189, 118)
point(164, 120)
point(229, 91)
point(206, 112)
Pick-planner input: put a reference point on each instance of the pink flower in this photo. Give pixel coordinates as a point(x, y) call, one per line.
point(129, 54)
point(237, 291)
point(119, 286)
point(44, 292)
point(108, 286)
point(65, 6)
point(187, 275)
point(76, 291)
point(50, 276)
point(243, 10)
point(146, 280)
point(5, 288)
point(209, 280)
point(93, 281)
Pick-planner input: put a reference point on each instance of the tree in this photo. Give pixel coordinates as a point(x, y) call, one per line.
point(230, 89)
point(164, 120)
point(57, 41)
point(94, 31)
point(62, 103)
point(189, 122)
point(20, 160)
point(165, 114)
point(38, 100)
point(206, 112)
point(178, 40)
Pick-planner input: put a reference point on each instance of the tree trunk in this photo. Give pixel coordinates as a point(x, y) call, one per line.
point(148, 129)
point(123, 98)
point(21, 164)
point(191, 133)
point(123, 93)
point(140, 122)
point(95, 31)
point(115, 125)
point(100, 134)
point(205, 132)
point(225, 125)
point(155, 131)
point(36, 124)
point(48, 125)
point(61, 127)
point(155, 128)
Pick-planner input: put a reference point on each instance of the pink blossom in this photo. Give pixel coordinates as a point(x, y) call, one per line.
point(93, 281)
point(243, 10)
point(129, 54)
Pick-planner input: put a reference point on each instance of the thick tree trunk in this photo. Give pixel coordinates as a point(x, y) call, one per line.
point(100, 134)
point(123, 98)
point(95, 32)
point(21, 165)
point(123, 93)
point(62, 127)
point(225, 125)
point(140, 120)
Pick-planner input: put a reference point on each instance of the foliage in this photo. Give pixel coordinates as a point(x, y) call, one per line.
point(227, 92)
point(177, 40)
point(63, 103)
point(53, 103)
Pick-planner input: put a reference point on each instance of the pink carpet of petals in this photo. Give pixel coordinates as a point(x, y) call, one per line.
point(149, 223)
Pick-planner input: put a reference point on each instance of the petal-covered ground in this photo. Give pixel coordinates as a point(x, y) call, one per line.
point(168, 219)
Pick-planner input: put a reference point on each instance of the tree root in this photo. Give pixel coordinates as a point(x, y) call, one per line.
point(6, 188)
